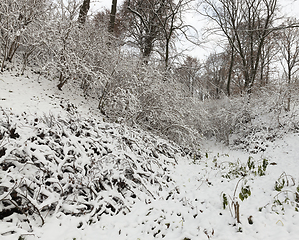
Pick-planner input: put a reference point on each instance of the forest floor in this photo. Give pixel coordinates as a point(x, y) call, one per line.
point(171, 196)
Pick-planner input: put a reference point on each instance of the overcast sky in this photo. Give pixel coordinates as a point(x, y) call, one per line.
point(104, 3)
point(288, 7)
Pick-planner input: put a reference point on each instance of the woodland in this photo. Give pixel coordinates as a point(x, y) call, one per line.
point(129, 60)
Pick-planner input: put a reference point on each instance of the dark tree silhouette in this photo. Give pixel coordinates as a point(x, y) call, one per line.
point(84, 8)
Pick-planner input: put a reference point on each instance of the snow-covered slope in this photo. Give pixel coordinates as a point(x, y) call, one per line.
point(67, 174)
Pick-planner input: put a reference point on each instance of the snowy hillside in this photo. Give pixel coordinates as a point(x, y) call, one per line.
point(65, 173)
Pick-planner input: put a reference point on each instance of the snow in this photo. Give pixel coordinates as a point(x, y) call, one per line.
point(189, 206)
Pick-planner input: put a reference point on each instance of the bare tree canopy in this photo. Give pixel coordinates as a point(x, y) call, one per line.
point(246, 25)
point(154, 25)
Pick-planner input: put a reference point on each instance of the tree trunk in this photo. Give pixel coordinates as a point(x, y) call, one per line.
point(112, 16)
point(147, 49)
point(167, 52)
point(230, 71)
point(288, 108)
point(62, 81)
point(83, 11)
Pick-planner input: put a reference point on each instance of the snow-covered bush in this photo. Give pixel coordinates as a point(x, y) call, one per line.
point(51, 165)
point(88, 57)
point(78, 56)
point(250, 122)
point(225, 115)
point(153, 99)
point(16, 20)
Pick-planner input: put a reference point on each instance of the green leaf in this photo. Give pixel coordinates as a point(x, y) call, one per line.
point(265, 164)
point(245, 192)
point(241, 196)
point(225, 201)
point(250, 163)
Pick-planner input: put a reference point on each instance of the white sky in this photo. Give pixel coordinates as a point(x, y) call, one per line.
point(104, 3)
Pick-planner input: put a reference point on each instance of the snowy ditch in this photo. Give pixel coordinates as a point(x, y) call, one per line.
point(63, 176)
point(95, 172)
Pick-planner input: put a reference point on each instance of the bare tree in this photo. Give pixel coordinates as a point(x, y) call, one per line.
point(142, 24)
point(268, 57)
point(188, 74)
point(246, 24)
point(172, 24)
point(289, 48)
point(154, 23)
point(215, 74)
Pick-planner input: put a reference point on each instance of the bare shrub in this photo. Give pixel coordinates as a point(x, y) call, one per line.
point(251, 121)
point(16, 19)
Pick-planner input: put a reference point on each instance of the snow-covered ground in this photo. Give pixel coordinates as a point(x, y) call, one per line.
point(181, 198)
